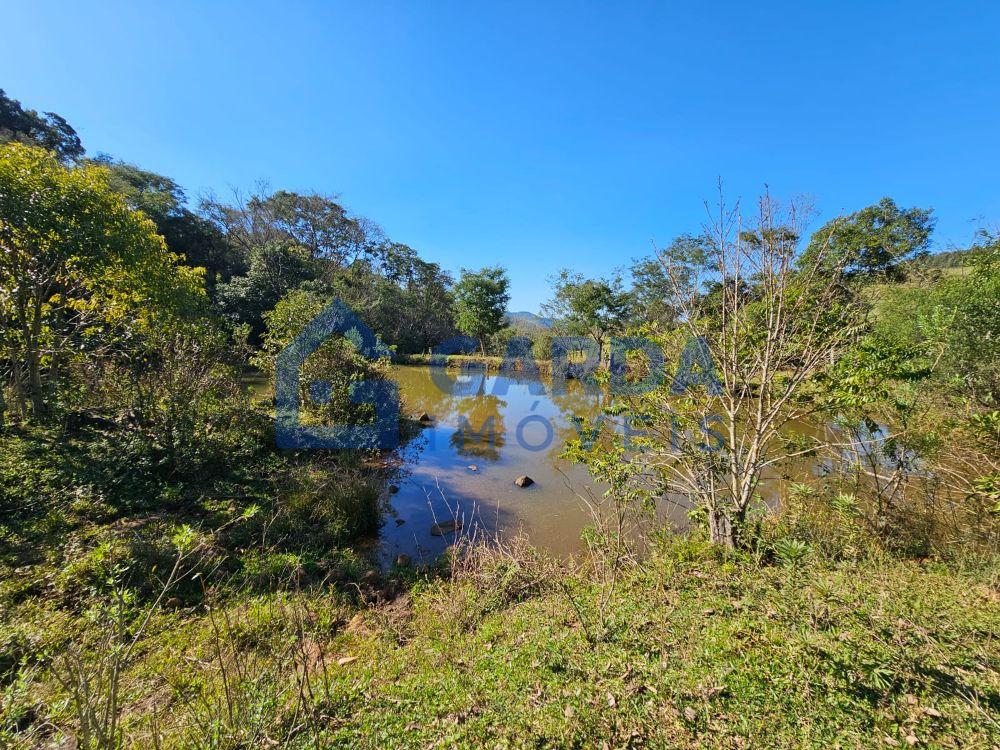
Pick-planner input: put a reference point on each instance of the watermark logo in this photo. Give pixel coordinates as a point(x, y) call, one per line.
point(572, 358)
point(383, 395)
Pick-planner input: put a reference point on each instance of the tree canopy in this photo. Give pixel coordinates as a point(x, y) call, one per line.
point(48, 130)
point(186, 233)
point(481, 299)
point(589, 307)
point(874, 242)
point(75, 256)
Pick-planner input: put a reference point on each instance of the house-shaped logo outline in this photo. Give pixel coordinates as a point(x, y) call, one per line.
point(383, 394)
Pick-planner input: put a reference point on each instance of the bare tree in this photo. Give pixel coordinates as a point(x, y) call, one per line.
point(760, 323)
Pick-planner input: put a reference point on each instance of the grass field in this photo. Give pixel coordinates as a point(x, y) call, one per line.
point(511, 652)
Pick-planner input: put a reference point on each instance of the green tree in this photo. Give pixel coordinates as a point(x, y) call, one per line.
point(652, 287)
point(75, 262)
point(481, 299)
point(954, 319)
point(589, 307)
point(192, 236)
point(274, 270)
point(405, 299)
point(285, 240)
point(48, 130)
point(315, 222)
point(972, 356)
point(873, 243)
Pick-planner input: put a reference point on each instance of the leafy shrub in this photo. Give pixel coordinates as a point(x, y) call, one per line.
point(180, 394)
point(827, 524)
point(791, 552)
point(336, 365)
point(139, 559)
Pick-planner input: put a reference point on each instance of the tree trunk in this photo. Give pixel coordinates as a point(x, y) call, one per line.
point(35, 385)
point(33, 359)
point(20, 398)
point(721, 529)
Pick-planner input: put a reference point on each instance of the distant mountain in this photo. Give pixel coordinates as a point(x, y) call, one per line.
point(529, 319)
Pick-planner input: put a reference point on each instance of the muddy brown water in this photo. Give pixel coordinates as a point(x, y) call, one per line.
point(484, 431)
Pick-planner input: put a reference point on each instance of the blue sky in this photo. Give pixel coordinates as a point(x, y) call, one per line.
point(536, 135)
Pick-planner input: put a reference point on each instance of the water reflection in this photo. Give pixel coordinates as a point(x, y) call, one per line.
point(481, 432)
point(485, 431)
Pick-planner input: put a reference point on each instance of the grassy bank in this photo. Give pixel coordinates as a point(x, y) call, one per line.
point(699, 653)
point(457, 361)
point(212, 615)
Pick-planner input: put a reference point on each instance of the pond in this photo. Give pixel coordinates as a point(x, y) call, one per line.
point(485, 431)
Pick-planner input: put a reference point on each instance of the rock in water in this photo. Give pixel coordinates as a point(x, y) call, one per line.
point(524, 481)
point(424, 417)
point(473, 467)
point(403, 561)
point(445, 527)
point(393, 489)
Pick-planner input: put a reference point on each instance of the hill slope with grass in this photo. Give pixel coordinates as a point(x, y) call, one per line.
point(194, 626)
